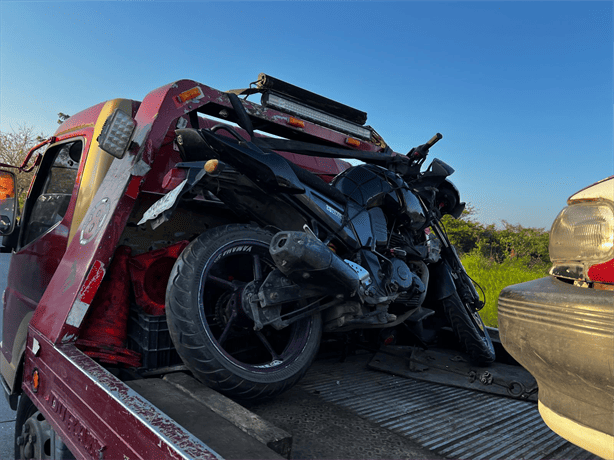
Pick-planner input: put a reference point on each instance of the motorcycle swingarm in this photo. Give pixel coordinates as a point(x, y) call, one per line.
point(276, 290)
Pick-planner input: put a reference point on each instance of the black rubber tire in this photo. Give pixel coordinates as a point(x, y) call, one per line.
point(469, 330)
point(25, 410)
point(197, 306)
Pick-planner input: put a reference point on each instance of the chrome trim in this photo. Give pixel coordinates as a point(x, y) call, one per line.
point(191, 448)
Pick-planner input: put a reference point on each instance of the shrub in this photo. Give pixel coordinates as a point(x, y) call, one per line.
point(498, 258)
point(512, 242)
point(493, 277)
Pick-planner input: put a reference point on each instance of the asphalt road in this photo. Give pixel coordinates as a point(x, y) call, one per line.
point(7, 416)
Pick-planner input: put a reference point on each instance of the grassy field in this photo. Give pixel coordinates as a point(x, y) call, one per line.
point(493, 277)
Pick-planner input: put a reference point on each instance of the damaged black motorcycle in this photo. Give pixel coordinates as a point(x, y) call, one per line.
point(247, 303)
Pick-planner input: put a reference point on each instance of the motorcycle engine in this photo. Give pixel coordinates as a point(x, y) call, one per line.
point(400, 276)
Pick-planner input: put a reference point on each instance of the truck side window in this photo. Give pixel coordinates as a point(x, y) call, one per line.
point(52, 203)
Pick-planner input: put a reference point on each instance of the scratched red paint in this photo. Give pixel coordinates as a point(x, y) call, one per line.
point(94, 278)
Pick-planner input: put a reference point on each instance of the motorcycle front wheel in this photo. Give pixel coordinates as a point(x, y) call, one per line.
point(212, 327)
point(469, 330)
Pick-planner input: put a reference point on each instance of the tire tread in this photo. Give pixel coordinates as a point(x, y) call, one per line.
point(188, 334)
point(477, 345)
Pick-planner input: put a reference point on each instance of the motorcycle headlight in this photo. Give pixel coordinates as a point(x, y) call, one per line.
point(583, 232)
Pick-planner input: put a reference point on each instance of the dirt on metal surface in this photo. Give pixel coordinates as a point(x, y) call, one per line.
point(323, 430)
point(435, 421)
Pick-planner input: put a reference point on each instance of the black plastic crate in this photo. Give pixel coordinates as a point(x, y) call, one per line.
point(148, 335)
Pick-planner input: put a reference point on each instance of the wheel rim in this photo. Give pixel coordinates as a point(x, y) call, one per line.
point(480, 327)
point(229, 327)
point(36, 438)
point(477, 319)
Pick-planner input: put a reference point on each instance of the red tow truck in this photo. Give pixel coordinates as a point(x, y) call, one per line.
point(86, 356)
point(80, 257)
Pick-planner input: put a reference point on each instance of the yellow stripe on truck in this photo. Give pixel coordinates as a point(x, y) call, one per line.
point(97, 164)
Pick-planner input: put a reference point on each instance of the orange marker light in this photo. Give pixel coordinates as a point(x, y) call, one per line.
point(190, 94)
point(351, 141)
point(296, 122)
point(211, 166)
point(35, 380)
point(7, 188)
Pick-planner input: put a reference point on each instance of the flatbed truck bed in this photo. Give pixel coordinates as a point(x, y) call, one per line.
point(348, 410)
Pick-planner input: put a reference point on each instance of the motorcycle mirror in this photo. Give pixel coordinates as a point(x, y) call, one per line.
point(439, 168)
point(243, 118)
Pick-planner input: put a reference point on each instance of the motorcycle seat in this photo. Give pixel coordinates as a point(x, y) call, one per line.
point(193, 148)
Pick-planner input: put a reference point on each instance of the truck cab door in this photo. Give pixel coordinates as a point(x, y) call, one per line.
point(42, 241)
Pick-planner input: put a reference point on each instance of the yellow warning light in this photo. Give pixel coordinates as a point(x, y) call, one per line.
point(351, 141)
point(296, 122)
point(211, 166)
point(190, 94)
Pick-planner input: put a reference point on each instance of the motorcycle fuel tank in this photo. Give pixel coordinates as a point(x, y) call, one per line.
point(369, 186)
point(365, 185)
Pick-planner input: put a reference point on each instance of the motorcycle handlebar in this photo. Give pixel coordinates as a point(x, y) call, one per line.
point(420, 152)
point(436, 138)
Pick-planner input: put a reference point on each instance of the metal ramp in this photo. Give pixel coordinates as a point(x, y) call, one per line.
point(451, 422)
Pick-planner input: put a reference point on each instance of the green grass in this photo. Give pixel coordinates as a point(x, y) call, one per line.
point(493, 277)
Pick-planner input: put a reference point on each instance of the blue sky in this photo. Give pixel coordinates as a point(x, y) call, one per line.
point(521, 91)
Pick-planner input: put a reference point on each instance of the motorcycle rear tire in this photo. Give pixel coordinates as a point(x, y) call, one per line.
point(200, 303)
point(469, 330)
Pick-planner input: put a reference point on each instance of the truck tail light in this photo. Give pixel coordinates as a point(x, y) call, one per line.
point(116, 134)
point(103, 334)
point(602, 273)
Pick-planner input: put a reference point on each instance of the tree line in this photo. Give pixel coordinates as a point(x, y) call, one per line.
point(15, 145)
point(510, 242)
